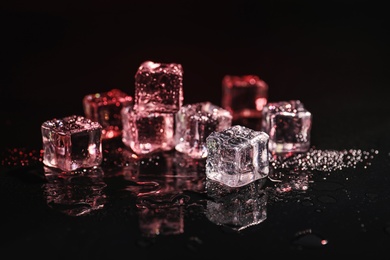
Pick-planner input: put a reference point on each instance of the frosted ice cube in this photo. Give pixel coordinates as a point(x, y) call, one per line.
point(158, 87)
point(105, 108)
point(237, 156)
point(72, 143)
point(288, 124)
point(244, 96)
point(146, 132)
point(194, 122)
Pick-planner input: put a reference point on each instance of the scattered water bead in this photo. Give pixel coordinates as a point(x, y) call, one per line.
point(324, 160)
point(292, 181)
point(21, 157)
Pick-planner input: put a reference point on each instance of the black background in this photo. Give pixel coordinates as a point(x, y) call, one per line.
point(332, 55)
point(327, 54)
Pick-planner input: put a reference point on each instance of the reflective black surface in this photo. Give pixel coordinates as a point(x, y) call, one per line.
point(333, 56)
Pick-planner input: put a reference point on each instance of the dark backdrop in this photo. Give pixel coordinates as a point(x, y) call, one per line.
point(326, 53)
point(332, 55)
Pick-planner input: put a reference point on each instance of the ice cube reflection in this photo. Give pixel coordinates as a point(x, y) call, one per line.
point(74, 193)
point(236, 208)
point(162, 185)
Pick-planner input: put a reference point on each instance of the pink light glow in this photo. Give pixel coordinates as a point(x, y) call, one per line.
point(260, 103)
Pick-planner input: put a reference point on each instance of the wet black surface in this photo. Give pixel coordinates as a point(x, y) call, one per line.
point(333, 56)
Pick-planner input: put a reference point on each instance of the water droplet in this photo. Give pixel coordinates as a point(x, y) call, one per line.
point(324, 160)
point(21, 157)
point(307, 239)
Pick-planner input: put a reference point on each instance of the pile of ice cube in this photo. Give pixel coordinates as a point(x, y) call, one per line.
point(156, 120)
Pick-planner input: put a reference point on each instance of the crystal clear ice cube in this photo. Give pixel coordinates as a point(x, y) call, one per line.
point(158, 87)
point(105, 108)
point(237, 156)
point(147, 132)
point(194, 122)
point(72, 143)
point(244, 96)
point(288, 124)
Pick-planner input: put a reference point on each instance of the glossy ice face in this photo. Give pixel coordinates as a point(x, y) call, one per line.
point(244, 96)
point(194, 123)
point(288, 124)
point(71, 143)
point(146, 132)
point(105, 108)
point(159, 87)
point(237, 156)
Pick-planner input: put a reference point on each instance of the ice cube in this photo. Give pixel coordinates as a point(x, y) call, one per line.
point(105, 108)
point(71, 143)
point(194, 122)
point(288, 124)
point(244, 96)
point(237, 156)
point(158, 87)
point(146, 132)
